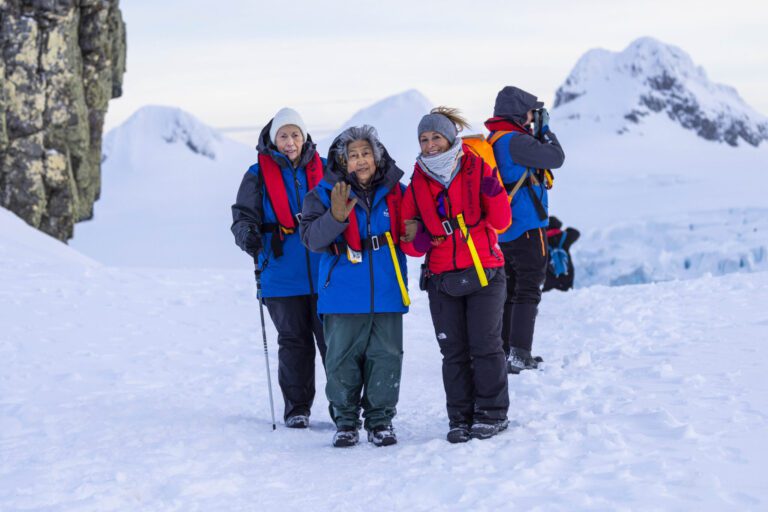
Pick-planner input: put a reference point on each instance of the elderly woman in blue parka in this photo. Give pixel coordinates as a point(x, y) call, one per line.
point(265, 226)
point(353, 218)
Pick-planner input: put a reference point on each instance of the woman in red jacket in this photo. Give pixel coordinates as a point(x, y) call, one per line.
point(460, 204)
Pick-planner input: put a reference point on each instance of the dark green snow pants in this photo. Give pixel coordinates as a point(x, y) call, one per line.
point(365, 353)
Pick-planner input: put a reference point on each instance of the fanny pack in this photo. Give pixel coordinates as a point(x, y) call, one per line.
point(462, 282)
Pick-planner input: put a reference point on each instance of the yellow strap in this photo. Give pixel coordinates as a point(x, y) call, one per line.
point(473, 251)
point(396, 263)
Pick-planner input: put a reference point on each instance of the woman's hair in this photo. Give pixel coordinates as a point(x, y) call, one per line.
point(453, 115)
point(367, 133)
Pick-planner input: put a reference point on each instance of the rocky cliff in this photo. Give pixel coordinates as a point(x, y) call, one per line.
point(61, 61)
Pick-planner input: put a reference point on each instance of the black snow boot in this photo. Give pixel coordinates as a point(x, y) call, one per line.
point(345, 437)
point(297, 421)
point(459, 434)
point(520, 359)
point(488, 430)
point(382, 436)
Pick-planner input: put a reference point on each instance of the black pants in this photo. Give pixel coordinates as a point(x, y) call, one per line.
point(296, 321)
point(468, 331)
point(526, 265)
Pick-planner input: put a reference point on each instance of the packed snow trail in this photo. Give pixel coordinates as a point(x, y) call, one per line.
point(145, 390)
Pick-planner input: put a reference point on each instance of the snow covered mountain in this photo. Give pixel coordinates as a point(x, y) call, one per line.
point(395, 118)
point(168, 183)
point(169, 180)
point(621, 90)
point(152, 124)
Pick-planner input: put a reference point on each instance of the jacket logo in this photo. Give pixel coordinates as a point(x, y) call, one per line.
point(386, 212)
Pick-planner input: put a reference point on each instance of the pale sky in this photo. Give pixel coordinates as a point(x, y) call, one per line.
point(236, 62)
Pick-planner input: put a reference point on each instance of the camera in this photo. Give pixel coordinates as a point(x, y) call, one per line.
point(540, 119)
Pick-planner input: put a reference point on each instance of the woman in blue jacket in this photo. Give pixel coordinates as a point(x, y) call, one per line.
point(353, 219)
point(265, 225)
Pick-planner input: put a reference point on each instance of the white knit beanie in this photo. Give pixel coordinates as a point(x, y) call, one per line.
point(284, 117)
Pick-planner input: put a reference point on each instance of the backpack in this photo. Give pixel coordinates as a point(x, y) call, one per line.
point(558, 258)
point(483, 147)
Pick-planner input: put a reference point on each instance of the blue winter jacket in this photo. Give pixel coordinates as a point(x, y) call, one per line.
point(296, 271)
point(516, 152)
point(370, 286)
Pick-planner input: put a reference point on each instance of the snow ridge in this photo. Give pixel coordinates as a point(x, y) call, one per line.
point(153, 123)
point(650, 77)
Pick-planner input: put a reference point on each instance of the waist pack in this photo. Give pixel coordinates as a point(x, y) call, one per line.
point(462, 282)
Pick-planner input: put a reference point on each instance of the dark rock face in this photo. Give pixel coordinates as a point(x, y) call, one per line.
point(61, 61)
point(669, 95)
point(562, 97)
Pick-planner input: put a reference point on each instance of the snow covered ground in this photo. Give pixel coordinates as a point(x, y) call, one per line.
point(130, 389)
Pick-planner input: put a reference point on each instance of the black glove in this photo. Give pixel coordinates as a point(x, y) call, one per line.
point(251, 242)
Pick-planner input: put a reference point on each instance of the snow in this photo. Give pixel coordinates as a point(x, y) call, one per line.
point(142, 389)
point(131, 362)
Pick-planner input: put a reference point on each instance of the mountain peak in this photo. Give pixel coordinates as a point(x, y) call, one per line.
point(168, 124)
point(619, 89)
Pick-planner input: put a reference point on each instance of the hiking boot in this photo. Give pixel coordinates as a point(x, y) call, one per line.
point(488, 430)
point(515, 363)
point(345, 437)
point(297, 421)
point(382, 436)
point(459, 434)
point(520, 359)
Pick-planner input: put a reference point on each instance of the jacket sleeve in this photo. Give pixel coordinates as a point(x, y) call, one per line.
point(247, 212)
point(409, 211)
point(572, 234)
point(496, 209)
point(318, 228)
point(530, 152)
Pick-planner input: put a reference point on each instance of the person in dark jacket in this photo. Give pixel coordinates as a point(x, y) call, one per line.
point(557, 239)
point(264, 224)
point(522, 156)
point(459, 203)
point(353, 219)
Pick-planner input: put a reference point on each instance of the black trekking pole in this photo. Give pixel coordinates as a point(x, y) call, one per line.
point(257, 272)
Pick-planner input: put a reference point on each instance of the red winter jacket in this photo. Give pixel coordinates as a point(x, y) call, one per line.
point(452, 253)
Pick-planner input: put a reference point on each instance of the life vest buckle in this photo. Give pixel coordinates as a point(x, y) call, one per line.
point(447, 227)
point(375, 244)
point(298, 218)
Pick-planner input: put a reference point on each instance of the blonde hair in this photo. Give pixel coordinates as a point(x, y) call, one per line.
point(453, 115)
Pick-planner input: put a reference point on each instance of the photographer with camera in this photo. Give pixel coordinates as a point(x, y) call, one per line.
point(525, 150)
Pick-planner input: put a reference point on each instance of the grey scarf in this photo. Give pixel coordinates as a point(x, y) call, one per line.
point(443, 166)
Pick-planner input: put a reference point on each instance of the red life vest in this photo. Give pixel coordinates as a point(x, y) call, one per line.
point(554, 232)
point(273, 181)
point(394, 200)
point(470, 175)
